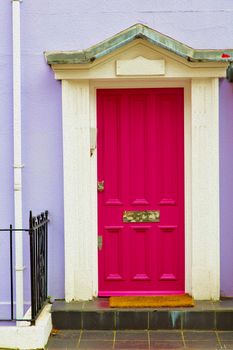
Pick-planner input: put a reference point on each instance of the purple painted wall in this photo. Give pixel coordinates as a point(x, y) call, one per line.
point(6, 146)
point(78, 24)
point(226, 186)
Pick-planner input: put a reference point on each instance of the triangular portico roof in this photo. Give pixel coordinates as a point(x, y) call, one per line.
point(138, 31)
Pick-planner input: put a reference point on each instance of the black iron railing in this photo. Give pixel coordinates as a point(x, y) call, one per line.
point(39, 260)
point(38, 241)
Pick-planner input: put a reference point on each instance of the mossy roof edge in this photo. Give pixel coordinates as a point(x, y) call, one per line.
point(138, 31)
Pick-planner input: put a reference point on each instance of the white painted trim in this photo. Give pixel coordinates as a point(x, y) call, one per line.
point(201, 184)
point(28, 337)
point(79, 236)
point(205, 190)
point(74, 74)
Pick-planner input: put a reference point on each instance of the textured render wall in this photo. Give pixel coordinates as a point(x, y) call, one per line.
point(226, 186)
point(77, 24)
point(70, 24)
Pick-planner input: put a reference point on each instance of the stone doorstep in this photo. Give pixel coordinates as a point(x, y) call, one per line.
point(97, 315)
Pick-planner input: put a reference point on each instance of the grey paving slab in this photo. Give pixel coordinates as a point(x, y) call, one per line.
point(95, 344)
point(203, 344)
point(56, 343)
point(224, 320)
point(131, 344)
point(160, 319)
point(166, 344)
point(103, 303)
point(64, 340)
point(227, 345)
point(73, 339)
point(198, 320)
point(67, 320)
point(98, 320)
point(166, 335)
point(61, 305)
point(225, 335)
point(97, 304)
point(201, 335)
point(97, 335)
point(132, 335)
point(132, 320)
point(223, 304)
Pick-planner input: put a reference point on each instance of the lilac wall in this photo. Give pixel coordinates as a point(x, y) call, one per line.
point(226, 186)
point(6, 146)
point(77, 24)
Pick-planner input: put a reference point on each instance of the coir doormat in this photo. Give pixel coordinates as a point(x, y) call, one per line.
point(157, 301)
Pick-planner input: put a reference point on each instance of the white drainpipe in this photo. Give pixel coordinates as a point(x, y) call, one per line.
point(17, 158)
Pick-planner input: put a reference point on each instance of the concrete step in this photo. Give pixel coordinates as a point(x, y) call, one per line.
point(97, 315)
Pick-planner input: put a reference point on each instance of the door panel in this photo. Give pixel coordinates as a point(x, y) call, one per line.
point(141, 160)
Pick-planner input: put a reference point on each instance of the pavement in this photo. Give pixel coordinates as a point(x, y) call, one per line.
point(140, 339)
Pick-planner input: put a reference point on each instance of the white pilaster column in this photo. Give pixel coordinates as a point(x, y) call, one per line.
point(77, 191)
point(205, 190)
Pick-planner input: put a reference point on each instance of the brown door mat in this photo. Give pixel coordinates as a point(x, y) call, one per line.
point(157, 301)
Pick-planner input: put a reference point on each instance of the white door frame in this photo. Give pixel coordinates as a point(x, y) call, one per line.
point(202, 245)
point(201, 186)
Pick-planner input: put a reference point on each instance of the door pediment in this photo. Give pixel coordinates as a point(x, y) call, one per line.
point(154, 53)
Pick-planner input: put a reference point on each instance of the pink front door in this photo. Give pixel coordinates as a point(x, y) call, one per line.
point(141, 161)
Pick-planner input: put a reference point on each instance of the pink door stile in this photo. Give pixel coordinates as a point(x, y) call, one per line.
point(141, 161)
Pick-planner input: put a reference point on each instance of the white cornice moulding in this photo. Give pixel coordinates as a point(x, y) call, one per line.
point(140, 66)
